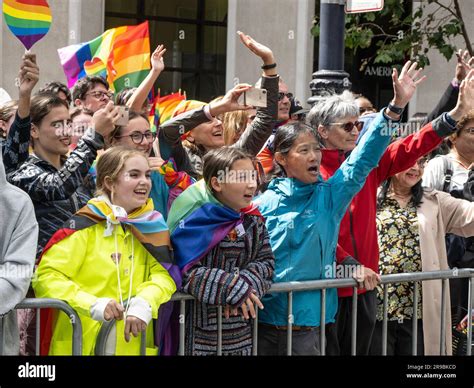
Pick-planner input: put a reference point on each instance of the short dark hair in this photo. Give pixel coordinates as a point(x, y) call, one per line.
point(221, 159)
point(55, 87)
point(42, 104)
point(82, 86)
point(285, 137)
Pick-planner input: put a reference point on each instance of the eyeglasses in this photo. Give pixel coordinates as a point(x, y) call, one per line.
point(137, 137)
point(470, 130)
point(349, 126)
point(282, 95)
point(99, 95)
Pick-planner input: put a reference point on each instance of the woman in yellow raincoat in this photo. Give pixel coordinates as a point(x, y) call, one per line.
point(116, 248)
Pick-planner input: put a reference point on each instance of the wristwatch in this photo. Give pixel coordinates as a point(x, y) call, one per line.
point(395, 109)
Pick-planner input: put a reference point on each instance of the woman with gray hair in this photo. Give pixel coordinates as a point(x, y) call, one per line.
point(338, 127)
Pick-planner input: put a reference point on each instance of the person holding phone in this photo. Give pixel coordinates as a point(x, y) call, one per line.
point(202, 127)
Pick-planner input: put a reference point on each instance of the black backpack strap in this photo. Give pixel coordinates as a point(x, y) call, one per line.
point(448, 173)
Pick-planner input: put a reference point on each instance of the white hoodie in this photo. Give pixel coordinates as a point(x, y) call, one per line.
point(18, 241)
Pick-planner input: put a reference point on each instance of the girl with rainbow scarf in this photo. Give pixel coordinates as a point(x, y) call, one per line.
point(222, 248)
point(114, 249)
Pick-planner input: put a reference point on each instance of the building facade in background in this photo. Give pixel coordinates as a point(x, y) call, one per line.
point(204, 55)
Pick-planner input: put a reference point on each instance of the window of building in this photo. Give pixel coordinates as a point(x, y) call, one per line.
point(194, 33)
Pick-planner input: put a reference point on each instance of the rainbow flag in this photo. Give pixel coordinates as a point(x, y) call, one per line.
point(125, 51)
point(29, 20)
point(95, 67)
point(163, 108)
point(198, 222)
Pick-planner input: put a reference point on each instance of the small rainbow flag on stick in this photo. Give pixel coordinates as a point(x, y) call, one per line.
point(29, 20)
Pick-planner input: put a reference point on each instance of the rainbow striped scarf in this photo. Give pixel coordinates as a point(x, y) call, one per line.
point(149, 227)
point(198, 222)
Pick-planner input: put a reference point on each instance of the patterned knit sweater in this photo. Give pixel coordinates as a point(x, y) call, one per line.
point(211, 282)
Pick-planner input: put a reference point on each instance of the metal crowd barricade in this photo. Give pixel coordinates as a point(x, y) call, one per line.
point(38, 304)
point(291, 287)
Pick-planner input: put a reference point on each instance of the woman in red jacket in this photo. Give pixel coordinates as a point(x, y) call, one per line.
point(358, 234)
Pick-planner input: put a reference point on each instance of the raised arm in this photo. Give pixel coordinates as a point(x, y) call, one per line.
point(18, 140)
point(60, 185)
point(351, 176)
point(140, 95)
point(258, 132)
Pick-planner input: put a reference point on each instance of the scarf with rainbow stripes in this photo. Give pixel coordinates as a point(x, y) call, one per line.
point(198, 222)
point(150, 228)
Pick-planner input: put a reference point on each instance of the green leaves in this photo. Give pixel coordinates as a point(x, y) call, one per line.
point(400, 32)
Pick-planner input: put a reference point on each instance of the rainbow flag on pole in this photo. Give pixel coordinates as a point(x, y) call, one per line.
point(125, 52)
point(28, 20)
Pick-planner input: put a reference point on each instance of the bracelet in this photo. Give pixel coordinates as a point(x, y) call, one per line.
point(450, 120)
point(395, 109)
point(268, 67)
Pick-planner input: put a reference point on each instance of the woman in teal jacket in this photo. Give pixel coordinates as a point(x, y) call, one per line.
point(303, 213)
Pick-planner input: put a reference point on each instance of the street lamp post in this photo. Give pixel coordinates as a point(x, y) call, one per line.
point(330, 76)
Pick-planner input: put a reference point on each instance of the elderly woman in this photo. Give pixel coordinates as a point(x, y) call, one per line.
point(357, 235)
point(303, 213)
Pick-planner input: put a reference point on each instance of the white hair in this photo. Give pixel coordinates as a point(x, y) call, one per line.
point(332, 108)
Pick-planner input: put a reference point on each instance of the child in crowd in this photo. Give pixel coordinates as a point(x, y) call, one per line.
point(221, 245)
point(114, 249)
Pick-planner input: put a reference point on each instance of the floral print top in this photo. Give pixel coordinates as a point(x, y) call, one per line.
point(399, 243)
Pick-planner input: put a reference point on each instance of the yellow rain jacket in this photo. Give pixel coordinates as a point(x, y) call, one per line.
point(80, 268)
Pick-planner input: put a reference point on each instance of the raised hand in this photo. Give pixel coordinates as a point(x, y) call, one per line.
point(229, 103)
point(465, 63)
point(157, 63)
point(465, 101)
point(104, 119)
point(404, 86)
point(28, 75)
point(257, 48)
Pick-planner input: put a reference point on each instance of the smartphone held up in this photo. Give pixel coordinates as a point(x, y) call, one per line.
point(254, 97)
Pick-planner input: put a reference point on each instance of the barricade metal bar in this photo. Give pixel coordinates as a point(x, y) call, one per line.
point(289, 337)
point(384, 322)
point(442, 340)
point(182, 327)
point(219, 330)
point(255, 333)
point(2, 337)
point(354, 322)
point(414, 327)
point(349, 282)
point(469, 318)
point(33, 303)
point(102, 336)
point(322, 340)
point(38, 331)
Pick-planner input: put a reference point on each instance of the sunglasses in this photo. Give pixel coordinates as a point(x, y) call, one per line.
point(349, 126)
point(282, 95)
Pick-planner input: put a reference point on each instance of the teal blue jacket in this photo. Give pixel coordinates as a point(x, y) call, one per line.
point(303, 224)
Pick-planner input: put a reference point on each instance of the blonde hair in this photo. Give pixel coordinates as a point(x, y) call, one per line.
point(234, 122)
point(111, 164)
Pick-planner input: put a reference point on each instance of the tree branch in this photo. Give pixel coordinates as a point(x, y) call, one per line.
point(446, 8)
